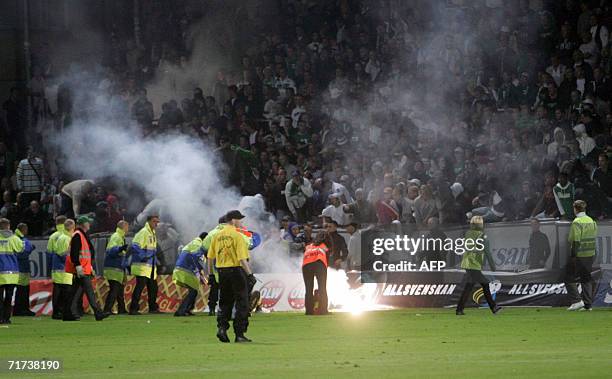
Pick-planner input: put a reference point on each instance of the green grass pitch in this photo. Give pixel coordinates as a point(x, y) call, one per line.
point(419, 343)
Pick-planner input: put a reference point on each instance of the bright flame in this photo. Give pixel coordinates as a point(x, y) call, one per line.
point(344, 299)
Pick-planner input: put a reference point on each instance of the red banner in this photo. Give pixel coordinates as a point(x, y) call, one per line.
point(169, 295)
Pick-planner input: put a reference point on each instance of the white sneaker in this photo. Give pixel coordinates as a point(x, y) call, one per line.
point(576, 306)
point(585, 309)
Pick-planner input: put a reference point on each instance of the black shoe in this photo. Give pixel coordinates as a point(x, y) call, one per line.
point(155, 312)
point(242, 338)
point(212, 312)
point(9, 322)
point(189, 313)
point(222, 335)
point(177, 314)
point(496, 310)
point(56, 316)
point(459, 313)
point(134, 313)
point(71, 318)
point(101, 315)
point(122, 312)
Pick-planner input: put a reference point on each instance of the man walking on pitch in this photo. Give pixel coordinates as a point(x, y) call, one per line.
point(581, 239)
point(213, 283)
point(22, 295)
point(114, 268)
point(314, 265)
point(80, 265)
point(229, 253)
point(10, 246)
point(144, 261)
point(57, 250)
point(187, 273)
point(472, 264)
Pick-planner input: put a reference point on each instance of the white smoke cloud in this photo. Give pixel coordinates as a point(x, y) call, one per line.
point(179, 170)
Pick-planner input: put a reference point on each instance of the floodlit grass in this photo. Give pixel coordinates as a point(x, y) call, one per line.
point(518, 343)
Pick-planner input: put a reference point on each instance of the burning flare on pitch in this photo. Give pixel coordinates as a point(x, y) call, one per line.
point(344, 298)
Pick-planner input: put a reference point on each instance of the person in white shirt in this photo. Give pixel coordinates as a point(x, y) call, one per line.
point(589, 49)
point(373, 67)
point(335, 210)
point(283, 83)
point(297, 192)
point(297, 112)
point(558, 141)
point(73, 195)
point(556, 70)
point(586, 143)
point(599, 32)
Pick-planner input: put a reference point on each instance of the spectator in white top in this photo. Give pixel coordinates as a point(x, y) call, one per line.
point(556, 70)
point(297, 112)
point(586, 143)
point(315, 46)
point(339, 85)
point(30, 178)
point(283, 82)
point(558, 141)
point(297, 192)
point(599, 32)
point(589, 49)
point(373, 67)
point(73, 195)
point(335, 210)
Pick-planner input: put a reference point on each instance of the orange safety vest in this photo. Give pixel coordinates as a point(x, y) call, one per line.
point(84, 256)
point(315, 253)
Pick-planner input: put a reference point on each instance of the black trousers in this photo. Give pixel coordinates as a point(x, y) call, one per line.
point(67, 208)
point(472, 277)
point(579, 271)
point(233, 290)
point(115, 293)
point(76, 308)
point(22, 300)
point(58, 299)
point(85, 285)
point(6, 299)
point(310, 272)
point(151, 285)
point(188, 302)
point(213, 295)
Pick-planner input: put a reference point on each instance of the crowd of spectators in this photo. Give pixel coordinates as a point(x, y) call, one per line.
point(375, 112)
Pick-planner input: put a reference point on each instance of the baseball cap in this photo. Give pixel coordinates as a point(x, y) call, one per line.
point(84, 219)
point(234, 215)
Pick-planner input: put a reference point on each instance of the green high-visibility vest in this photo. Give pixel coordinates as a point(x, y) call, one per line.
point(473, 258)
point(582, 235)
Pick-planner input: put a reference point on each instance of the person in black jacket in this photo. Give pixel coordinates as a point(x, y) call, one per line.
point(82, 272)
point(539, 246)
point(338, 251)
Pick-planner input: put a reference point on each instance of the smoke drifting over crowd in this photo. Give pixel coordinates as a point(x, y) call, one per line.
point(179, 171)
